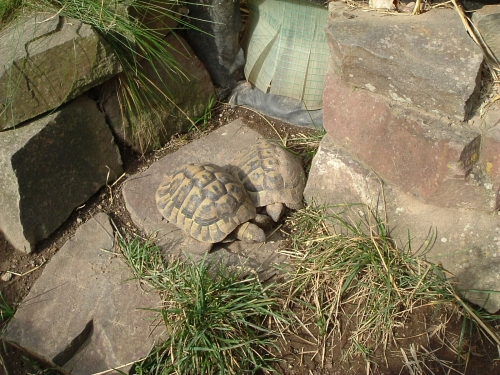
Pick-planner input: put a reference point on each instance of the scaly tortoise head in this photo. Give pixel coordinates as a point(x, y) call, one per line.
point(271, 175)
point(206, 202)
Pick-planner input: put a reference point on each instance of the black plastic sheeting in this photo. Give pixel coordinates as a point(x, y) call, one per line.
point(280, 107)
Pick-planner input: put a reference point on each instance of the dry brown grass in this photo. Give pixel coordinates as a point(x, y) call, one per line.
point(348, 272)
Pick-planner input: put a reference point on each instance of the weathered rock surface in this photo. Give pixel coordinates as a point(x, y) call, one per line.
point(50, 166)
point(422, 155)
point(160, 16)
point(218, 147)
point(490, 150)
point(47, 60)
point(190, 93)
point(487, 21)
point(214, 39)
point(413, 60)
point(85, 313)
point(465, 241)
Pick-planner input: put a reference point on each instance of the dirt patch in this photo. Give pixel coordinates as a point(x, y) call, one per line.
point(429, 340)
point(301, 353)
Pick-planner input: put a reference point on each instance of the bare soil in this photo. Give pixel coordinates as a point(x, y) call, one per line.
point(435, 331)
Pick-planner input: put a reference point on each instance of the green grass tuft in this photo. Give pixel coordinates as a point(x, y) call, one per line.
point(200, 123)
point(144, 258)
point(6, 311)
point(217, 319)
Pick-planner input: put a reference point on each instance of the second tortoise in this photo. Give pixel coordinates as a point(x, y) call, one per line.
point(272, 175)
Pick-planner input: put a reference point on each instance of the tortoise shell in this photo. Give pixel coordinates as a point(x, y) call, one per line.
point(205, 201)
point(270, 174)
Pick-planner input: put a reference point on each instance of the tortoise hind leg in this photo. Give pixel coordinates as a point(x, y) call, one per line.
point(263, 221)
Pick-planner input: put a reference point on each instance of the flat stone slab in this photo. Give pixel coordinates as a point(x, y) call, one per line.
point(85, 313)
point(465, 242)
point(50, 166)
point(47, 60)
point(219, 147)
point(413, 60)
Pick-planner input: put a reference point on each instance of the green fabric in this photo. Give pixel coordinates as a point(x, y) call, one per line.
point(286, 49)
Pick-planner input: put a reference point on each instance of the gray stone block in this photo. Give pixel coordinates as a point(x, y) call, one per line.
point(487, 21)
point(47, 60)
point(466, 242)
point(85, 313)
point(189, 93)
point(50, 166)
point(413, 60)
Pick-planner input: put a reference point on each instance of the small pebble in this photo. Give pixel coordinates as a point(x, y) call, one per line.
point(6, 276)
point(78, 220)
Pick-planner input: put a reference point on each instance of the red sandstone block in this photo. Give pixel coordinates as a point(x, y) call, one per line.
point(420, 154)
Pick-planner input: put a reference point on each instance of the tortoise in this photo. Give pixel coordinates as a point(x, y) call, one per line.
point(273, 177)
point(208, 203)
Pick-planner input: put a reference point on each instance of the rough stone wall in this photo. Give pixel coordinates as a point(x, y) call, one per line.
point(57, 148)
point(403, 139)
